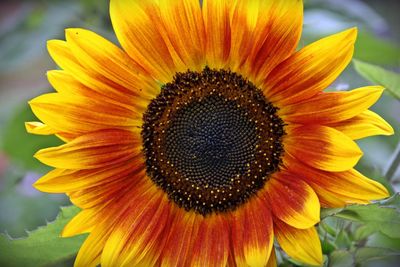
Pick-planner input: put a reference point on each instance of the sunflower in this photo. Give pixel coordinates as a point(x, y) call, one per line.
point(206, 136)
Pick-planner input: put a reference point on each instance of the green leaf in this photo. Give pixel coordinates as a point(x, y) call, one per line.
point(382, 216)
point(327, 228)
point(328, 246)
point(326, 212)
point(383, 241)
point(342, 240)
point(371, 253)
point(377, 50)
point(19, 145)
point(341, 258)
point(379, 76)
point(363, 232)
point(42, 247)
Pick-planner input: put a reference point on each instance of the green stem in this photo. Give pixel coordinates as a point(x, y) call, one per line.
point(394, 164)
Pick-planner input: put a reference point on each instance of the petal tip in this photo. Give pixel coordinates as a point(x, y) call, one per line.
point(38, 185)
point(29, 126)
point(353, 32)
point(53, 44)
point(66, 233)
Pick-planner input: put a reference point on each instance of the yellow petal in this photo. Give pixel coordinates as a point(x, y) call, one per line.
point(93, 150)
point(337, 188)
point(141, 33)
point(61, 181)
point(322, 147)
point(39, 128)
point(252, 233)
point(94, 196)
point(83, 77)
point(332, 107)
point(310, 70)
point(90, 252)
point(218, 31)
point(83, 222)
point(74, 114)
point(293, 201)
point(62, 55)
point(300, 244)
point(184, 25)
point(264, 33)
point(104, 58)
point(138, 232)
point(366, 124)
point(272, 262)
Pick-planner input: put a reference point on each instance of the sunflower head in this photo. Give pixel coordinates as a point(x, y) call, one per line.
point(206, 136)
point(211, 149)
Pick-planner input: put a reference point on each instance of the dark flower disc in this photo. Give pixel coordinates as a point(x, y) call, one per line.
point(211, 140)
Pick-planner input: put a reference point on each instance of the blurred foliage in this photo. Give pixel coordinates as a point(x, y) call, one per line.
point(44, 246)
point(20, 146)
point(378, 75)
point(354, 236)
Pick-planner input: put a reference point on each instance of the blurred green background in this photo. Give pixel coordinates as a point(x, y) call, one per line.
point(25, 26)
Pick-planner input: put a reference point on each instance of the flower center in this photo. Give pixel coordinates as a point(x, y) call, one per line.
point(211, 140)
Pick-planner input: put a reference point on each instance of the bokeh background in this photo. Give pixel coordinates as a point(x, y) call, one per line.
point(25, 26)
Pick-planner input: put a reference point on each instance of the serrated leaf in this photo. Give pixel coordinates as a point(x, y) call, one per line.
point(379, 76)
point(327, 212)
point(42, 247)
point(382, 216)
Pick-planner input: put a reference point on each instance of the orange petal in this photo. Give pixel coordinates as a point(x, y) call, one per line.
point(310, 70)
point(141, 33)
point(90, 251)
point(34, 127)
point(73, 114)
point(252, 233)
point(61, 52)
point(300, 244)
point(184, 25)
point(61, 181)
point(178, 246)
point(264, 33)
point(322, 147)
point(347, 187)
point(293, 201)
point(332, 107)
point(93, 150)
point(329, 199)
point(83, 222)
point(105, 59)
point(272, 262)
point(137, 234)
point(366, 124)
point(104, 219)
point(95, 196)
point(218, 32)
point(207, 250)
point(65, 83)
